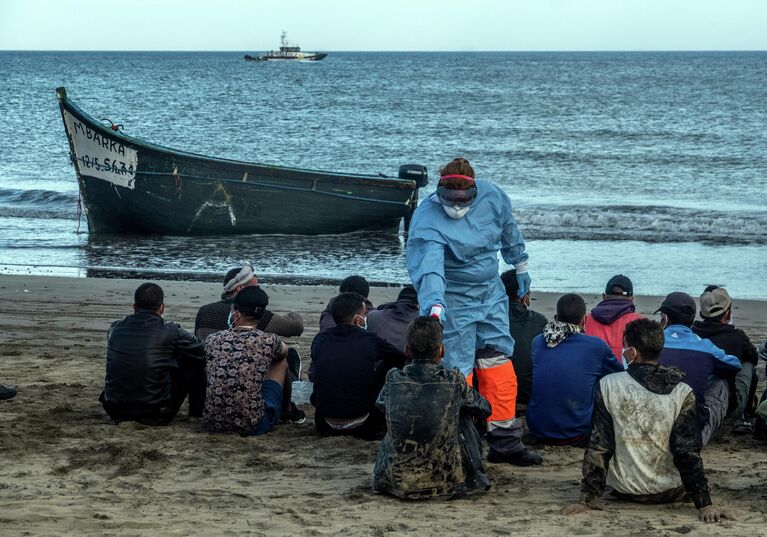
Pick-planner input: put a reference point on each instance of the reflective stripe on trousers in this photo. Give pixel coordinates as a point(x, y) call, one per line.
point(497, 382)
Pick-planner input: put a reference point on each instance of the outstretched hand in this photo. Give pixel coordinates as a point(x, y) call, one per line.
point(575, 508)
point(710, 514)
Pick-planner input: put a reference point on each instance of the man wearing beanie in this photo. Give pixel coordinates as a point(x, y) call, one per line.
point(705, 365)
point(716, 326)
point(609, 318)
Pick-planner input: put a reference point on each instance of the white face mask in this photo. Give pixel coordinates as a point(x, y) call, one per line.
point(456, 213)
point(230, 320)
point(626, 360)
point(364, 322)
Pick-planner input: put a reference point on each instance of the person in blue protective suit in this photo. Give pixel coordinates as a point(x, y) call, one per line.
point(452, 258)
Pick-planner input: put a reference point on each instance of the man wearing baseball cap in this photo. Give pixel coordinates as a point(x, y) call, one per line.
point(705, 365)
point(609, 318)
point(246, 370)
point(716, 326)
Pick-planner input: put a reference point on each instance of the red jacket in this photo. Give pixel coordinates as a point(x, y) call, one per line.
point(608, 320)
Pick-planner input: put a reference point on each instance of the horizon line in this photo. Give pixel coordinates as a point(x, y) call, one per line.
point(390, 51)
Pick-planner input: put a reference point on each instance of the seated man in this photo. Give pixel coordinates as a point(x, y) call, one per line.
point(716, 326)
point(246, 371)
point(567, 366)
point(350, 284)
point(217, 316)
point(524, 325)
point(706, 366)
point(214, 317)
point(152, 364)
point(348, 369)
point(608, 318)
point(645, 441)
point(432, 448)
point(390, 321)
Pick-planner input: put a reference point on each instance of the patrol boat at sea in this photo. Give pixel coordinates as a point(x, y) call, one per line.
point(287, 52)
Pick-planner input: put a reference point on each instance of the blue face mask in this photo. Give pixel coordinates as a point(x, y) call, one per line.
point(230, 320)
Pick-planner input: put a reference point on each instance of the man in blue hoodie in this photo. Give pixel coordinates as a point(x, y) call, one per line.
point(706, 366)
point(567, 367)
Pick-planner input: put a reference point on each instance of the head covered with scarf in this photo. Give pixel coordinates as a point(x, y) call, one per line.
point(239, 277)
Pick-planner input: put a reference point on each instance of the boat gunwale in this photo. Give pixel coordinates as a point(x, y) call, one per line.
point(67, 103)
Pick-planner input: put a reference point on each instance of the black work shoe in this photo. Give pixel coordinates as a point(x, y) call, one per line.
point(520, 458)
point(743, 426)
point(296, 415)
point(7, 392)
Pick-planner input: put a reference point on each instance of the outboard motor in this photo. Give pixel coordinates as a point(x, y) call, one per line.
point(414, 172)
point(417, 173)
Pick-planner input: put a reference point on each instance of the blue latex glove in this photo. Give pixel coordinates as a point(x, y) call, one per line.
point(524, 284)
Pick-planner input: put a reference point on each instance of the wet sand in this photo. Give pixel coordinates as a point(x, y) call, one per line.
point(66, 470)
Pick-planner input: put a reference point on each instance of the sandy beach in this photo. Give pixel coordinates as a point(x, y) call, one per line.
point(67, 470)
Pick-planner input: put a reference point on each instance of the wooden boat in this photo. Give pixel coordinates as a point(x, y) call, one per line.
point(287, 52)
point(131, 186)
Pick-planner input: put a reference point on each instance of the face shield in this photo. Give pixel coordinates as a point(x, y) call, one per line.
point(459, 199)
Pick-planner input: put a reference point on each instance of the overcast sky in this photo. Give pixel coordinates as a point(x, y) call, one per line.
point(255, 25)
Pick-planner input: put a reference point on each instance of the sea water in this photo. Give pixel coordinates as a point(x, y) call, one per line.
point(649, 164)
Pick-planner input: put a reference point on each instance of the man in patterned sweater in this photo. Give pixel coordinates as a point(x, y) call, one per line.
point(246, 371)
point(645, 423)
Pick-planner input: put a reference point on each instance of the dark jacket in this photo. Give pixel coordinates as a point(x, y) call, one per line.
point(432, 448)
point(524, 325)
point(684, 441)
point(326, 319)
point(731, 340)
point(348, 369)
point(699, 359)
point(390, 321)
point(141, 351)
point(212, 318)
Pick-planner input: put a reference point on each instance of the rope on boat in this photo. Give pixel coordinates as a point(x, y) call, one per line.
point(178, 176)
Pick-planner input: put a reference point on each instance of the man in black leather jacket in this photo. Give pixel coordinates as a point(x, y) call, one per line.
point(152, 364)
point(432, 448)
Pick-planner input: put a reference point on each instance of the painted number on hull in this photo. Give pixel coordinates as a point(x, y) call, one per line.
point(101, 157)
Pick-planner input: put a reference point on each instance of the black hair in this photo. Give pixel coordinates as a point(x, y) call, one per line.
point(424, 337)
point(679, 318)
point(408, 293)
point(618, 290)
point(510, 283)
point(710, 288)
point(148, 296)
point(646, 336)
point(571, 308)
point(345, 306)
point(355, 284)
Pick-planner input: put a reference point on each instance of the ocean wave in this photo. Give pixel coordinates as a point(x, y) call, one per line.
point(643, 223)
point(20, 203)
